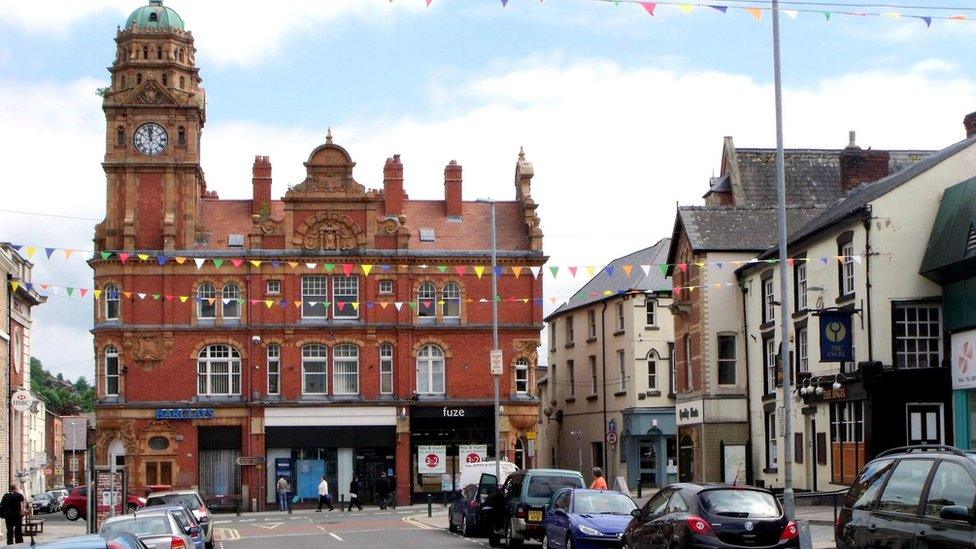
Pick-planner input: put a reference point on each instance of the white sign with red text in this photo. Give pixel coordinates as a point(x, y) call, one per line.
point(472, 453)
point(432, 460)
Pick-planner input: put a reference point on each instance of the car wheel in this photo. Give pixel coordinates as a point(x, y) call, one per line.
point(466, 529)
point(569, 542)
point(71, 513)
point(510, 541)
point(208, 545)
point(493, 540)
point(450, 522)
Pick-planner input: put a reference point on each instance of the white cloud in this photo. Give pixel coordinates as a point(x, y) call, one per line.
point(613, 149)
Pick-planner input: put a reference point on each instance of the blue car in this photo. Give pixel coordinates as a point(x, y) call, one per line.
point(578, 519)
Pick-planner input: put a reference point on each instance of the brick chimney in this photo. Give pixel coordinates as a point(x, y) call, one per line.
point(261, 182)
point(393, 185)
point(452, 189)
point(861, 166)
point(970, 122)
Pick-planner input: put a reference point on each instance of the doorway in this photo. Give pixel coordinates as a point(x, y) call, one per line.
point(924, 424)
point(686, 459)
point(647, 474)
point(812, 453)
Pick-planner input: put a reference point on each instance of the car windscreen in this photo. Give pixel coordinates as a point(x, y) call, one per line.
point(604, 503)
point(190, 501)
point(142, 526)
point(739, 503)
point(544, 486)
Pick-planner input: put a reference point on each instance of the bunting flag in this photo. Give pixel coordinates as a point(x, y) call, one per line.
point(649, 7)
point(628, 269)
point(516, 271)
point(479, 270)
point(366, 269)
point(199, 261)
point(756, 13)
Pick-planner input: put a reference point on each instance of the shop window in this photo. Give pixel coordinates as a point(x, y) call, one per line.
point(772, 442)
point(726, 360)
point(219, 371)
point(918, 335)
point(345, 369)
point(386, 369)
point(206, 301)
point(430, 370)
point(231, 298)
point(274, 369)
point(111, 371)
point(452, 301)
point(315, 369)
point(427, 301)
point(315, 295)
point(522, 376)
point(159, 472)
point(345, 297)
point(111, 302)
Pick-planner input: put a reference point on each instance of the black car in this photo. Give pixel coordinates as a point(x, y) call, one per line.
point(914, 496)
point(722, 516)
point(464, 515)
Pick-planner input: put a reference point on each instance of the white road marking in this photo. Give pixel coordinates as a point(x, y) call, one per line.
point(223, 521)
point(270, 526)
point(335, 536)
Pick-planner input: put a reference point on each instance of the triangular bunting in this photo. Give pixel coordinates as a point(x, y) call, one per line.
point(791, 13)
point(479, 270)
point(554, 270)
point(97, 293)
point(237, 262)
point(516, 271)
point(347, 268)
point(366, 269)
point(255, 262)
point(329, 267)
point(199, 261)
point(649, 7)
point(442, 268)
point(218, 262)
point(293, 264)
point(161, 259)
point(123, 257)
point(180, 259)
point(143, 257)
point(756, 13)
point(184, 298)
point(535, 271)
point(398, 305)
point(141, 296)
point(628, 269)
point(31, 250)
point(311, 265)
point(49, 252)
point(105, 255)
point(461, 269)
point(722, 9)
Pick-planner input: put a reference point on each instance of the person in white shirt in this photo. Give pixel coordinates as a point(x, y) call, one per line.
point(324, 496)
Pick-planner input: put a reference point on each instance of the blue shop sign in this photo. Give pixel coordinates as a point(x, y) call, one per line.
point(836, 337)
point(185, 413)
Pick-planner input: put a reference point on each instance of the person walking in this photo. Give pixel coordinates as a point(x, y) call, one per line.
point(383, 490)
point(283, 488)
point(324, 496)
point(599, 483)
point(14, 507)
point(355, 490)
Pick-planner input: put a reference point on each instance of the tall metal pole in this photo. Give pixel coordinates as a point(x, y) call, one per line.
point(494, 338)
point(788, 502)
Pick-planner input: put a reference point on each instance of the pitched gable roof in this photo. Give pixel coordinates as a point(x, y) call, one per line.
point(735, 228)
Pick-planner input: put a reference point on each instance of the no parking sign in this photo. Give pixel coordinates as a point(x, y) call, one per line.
point(432, 460)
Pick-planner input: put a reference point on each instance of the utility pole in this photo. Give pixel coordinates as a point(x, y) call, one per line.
point(788, 501)
point(494, 338)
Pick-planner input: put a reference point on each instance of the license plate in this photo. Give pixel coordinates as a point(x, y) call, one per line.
point(535, 516)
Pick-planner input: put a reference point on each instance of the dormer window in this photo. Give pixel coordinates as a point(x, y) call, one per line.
point(154, 16)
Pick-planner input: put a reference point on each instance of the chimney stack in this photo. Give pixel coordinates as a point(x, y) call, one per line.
point(261, 182)
point(393, 185)
point(861, 166)
point(452, 189)
point(970, 122)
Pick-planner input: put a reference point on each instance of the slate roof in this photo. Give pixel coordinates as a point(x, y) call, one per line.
point(654, 281)
point(812, 175)
point(736, 228)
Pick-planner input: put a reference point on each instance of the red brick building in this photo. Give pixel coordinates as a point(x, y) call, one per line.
point(332, 331)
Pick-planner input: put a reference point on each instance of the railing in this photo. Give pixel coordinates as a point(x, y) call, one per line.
point(836, 498)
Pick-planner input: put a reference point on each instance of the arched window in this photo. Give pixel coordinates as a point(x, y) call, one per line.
point(345, 369)
point(219, 371)
point(123, 82)
point(652, 358)
point(452, 300)
point(181, 136)
point(120, 136)
point(138, 78)
point(154, 16)
point(231, 300)
point(111, 302)
point(386, 369)
point(181, 55)
point(165, 79)
point(430, 370)
point(145, 52)
point(111, 371)
point(427, 300)
point(522, 376)
point(206, 301)
point(315, 369)
point(159, 49)
point(182, 83)
point(274, 369)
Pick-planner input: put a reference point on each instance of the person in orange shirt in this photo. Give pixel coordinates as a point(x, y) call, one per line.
point(599, 483)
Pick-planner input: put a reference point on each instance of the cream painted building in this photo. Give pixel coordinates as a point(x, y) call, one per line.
point(610, 370)
point(862, 255)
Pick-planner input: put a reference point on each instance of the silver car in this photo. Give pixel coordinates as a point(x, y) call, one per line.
point(158, 529)
point(192, 501)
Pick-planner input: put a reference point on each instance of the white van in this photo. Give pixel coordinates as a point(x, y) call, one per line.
point(471, 472)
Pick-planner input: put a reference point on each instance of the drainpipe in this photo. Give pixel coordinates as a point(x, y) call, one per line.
point(745, 349)
point(867, 278)
point(603, 352)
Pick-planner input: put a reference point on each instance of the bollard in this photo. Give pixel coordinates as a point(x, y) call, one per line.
point(430, 500)
point(237, 507)
point(806, 537)
point(638, 489)
point(288, 502)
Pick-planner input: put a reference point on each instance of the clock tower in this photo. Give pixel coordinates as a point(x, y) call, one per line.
point(154, 111)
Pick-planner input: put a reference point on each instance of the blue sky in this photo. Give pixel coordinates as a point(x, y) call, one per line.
point(622, 113)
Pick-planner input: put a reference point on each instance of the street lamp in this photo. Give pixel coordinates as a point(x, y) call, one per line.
point(494, 332)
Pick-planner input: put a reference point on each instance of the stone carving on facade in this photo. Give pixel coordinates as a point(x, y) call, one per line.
point(387, 226)
point(148, 350)
point(151, 93)
point(527, 348)
point(330, 231)
point(121, 430)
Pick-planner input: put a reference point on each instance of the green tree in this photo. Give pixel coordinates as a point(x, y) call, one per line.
point(62, 397)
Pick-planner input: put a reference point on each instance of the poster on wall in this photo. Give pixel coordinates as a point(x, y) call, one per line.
point(110, 492)
point(431, 460)
point(472, 453)
point(734, 463)
point(963, 361)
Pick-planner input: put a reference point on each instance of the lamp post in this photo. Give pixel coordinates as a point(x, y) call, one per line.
point(494, 332)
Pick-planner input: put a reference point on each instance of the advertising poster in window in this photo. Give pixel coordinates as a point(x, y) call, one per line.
point(432, 460)
point(110, 490)
point(963, 362)
point(472, 453)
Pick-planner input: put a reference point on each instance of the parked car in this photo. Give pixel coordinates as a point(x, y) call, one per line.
point(96, 541)
point(465, 516)
point(192, 501)
point(517, 511)
point(59, 496)
point(691, 515)
point(44, 503)
point(579, 518)
point(76, 504)
point(164, 528)
point(915, 496)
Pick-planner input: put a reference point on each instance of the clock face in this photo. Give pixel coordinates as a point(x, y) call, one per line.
point(150, 139)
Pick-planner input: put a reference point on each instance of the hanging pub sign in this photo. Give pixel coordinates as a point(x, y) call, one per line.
point(836, 337)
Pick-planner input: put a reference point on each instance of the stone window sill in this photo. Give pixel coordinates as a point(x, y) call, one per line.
point(620, 393)
point(592, 397)
point(652, 327)
point(569, 345)
point(591, 339)
point(619, 332)
point(570, 400)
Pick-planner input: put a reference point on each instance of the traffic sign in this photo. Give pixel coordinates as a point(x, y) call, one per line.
point(496, 362)
point(612, 426)
point(250, 460)
point(611, 437)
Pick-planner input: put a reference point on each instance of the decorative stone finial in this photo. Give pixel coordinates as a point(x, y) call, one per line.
point(521, 153)
point(328, 137)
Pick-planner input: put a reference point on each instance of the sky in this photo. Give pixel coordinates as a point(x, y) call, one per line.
point(622, 113)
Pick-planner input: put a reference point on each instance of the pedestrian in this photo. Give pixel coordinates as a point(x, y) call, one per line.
point(283, 488)
point(599, 483)
point(383, 490)
point(355, 488)
point(13, 506)
point(324, 496)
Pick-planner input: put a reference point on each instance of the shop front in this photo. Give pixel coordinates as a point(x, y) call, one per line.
point(442, 439)
point(340, 443)
point(650, 447)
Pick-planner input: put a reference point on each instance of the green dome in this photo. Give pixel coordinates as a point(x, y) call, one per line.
point(154, 16)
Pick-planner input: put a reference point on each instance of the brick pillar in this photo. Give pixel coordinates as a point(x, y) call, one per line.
point(404, 475)
point(261, 182)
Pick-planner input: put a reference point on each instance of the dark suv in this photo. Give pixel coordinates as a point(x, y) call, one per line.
point(914, 496)
point(517, 511)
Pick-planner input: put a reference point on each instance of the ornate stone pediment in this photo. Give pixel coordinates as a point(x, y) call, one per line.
point(150, 92)
point(147, 350)
point(328, 175)
point(329, 231)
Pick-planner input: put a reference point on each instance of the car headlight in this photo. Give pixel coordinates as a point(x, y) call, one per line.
point(589, 531)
